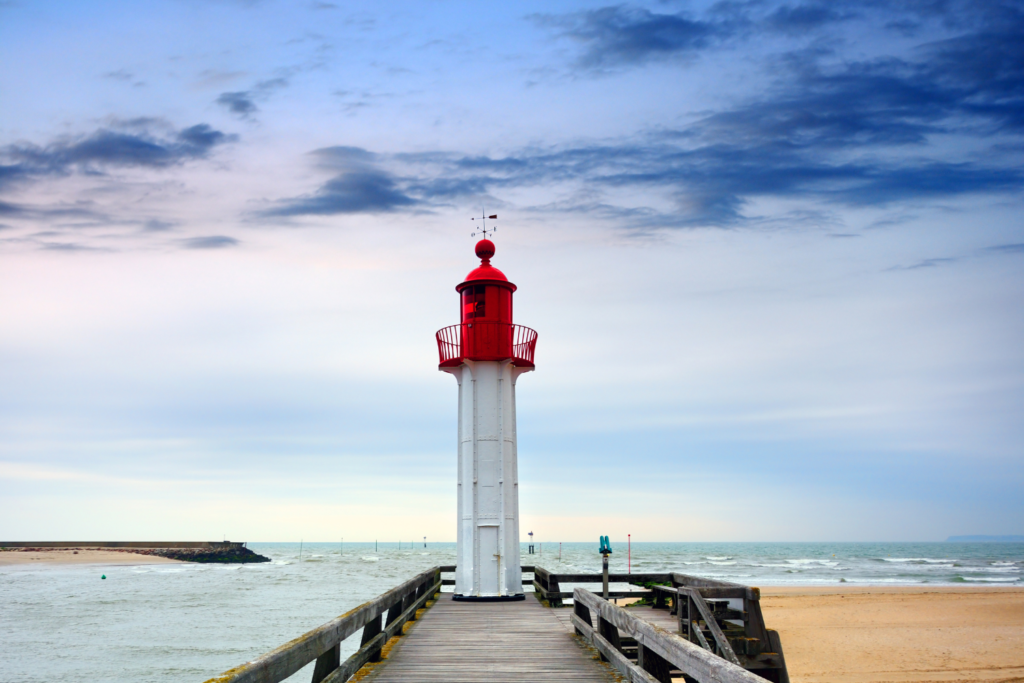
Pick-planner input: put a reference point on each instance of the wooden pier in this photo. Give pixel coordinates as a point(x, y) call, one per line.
point(694, 629)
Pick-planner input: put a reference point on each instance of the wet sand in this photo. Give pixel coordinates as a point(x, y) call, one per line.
point(876, 634)
point(68, 556)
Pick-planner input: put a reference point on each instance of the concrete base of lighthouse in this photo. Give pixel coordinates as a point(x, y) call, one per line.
point(487, 561)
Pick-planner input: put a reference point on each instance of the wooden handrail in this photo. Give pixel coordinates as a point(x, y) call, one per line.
point(657, 648)
point(321, 644)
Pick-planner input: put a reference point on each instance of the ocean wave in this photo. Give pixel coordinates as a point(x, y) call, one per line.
point(917, 560)
point(1003, 563)
point(730, 562)
point(370, 559)
point(979, 570)
point(988, 579)
point(715, 557)
point(809, 563)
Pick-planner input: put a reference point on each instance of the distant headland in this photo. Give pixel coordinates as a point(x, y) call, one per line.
point(985, 539)
point(206, 552)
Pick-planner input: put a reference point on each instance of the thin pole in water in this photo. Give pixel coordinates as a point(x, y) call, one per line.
point(300, 550)
point(375, 546)
point(629, 545)
point(559, 551)
point(342, 546)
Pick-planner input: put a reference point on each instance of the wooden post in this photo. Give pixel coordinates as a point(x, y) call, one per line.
point(554, 588)
point(653, 663)
point(326, 663)
point(371, 629)
point(776, 646)
point(610, 633)
point(689, 617)
point(583, 612)
point(394, 612)
point(682, 613)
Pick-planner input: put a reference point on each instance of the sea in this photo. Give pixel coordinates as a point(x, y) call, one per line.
point(189, 622)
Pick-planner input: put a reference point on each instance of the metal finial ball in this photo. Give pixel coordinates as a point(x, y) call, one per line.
point(485, 249)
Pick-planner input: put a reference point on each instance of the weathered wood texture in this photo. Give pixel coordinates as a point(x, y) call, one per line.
point(493, 642)
point(321, 643)
point(694, 661)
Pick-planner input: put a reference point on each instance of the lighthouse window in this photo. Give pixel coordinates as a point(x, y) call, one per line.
point(473, 302)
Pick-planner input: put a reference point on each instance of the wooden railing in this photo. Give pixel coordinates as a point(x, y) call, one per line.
point(658, 652)
point(323, 643)
point(450, 569)
point(703, 612)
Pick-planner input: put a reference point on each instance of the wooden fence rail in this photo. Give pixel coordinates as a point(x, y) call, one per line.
point(658, 651)
point(703, 610)
point(450, 568)
point(323, 643)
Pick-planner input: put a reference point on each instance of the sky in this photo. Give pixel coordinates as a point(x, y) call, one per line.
point(773, 252)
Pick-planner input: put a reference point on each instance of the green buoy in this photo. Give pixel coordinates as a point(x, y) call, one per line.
point(103, 576)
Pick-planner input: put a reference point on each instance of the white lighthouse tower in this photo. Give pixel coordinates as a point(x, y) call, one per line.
point(486, 353)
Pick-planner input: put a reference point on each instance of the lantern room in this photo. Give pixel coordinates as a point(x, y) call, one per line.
point(486, 295)
point(486, 331)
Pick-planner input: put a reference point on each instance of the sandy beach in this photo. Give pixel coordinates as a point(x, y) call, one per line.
point(84, 556)
point(876, 634)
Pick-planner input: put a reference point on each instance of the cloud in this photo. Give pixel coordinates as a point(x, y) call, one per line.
point(926, 263)
point(1006, 249)
point(124, 76)
point(243, 103)
point(239, 103)
point(68, 247)
point(625, 35)
point(798, 19)
point(157, 225)
point(360, 187)
point(131, 144)
point(709, 174)
point(209, 242)
point(856, 133)
point(60, 211)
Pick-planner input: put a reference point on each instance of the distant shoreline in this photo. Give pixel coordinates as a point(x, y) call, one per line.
point(70, 556)
point(117, 553)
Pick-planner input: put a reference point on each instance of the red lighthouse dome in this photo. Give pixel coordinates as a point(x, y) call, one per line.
point(485, 271)
point(486, 331)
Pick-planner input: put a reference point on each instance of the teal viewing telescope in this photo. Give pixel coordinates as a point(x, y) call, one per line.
point(606, 546)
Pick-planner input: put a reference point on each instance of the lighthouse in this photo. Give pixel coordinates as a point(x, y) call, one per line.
point(487, 352)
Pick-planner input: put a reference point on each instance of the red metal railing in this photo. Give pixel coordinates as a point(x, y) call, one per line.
point(486, 341)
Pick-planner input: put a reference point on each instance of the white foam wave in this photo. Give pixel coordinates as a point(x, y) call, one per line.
point(991, 579)
point(987, 570)
point(925, 560)
point(716, 557)
point(370, 559)
point(810, 563)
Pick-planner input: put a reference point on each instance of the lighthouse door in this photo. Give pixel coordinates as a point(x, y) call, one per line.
point(489, 560)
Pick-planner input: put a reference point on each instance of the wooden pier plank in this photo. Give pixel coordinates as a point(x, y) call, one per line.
point(496, 642)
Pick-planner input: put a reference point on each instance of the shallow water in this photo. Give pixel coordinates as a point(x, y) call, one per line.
point(188, 622)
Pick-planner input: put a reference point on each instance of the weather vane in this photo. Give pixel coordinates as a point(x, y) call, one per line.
point(482, 230)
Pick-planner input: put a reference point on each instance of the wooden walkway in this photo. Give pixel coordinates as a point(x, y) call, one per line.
point(492, 642)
